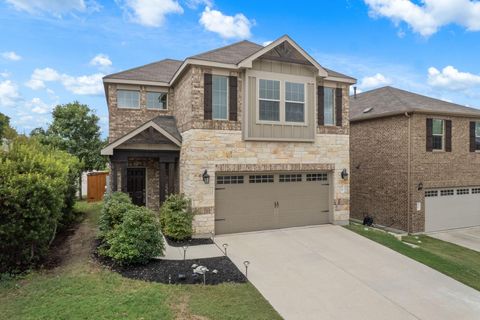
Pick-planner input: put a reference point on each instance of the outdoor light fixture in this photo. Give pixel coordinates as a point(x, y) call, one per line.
point(246, 264)
point(184, 252)
point(206, 177)
point(420, 186)
point(344, 174)
point(225, 246)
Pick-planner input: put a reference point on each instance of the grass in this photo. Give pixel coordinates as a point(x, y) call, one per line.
point(462, 264)
point(81, 289)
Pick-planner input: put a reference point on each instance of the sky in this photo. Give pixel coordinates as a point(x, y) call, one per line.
point(57, 51)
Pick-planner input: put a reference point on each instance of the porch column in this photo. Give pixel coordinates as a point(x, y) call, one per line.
point(163, 175)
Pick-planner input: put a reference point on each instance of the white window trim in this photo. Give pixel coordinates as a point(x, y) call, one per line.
point(477, 124)
point(146, 100)
point(282, 79)
point(129, 108)
point(334, 111)
point(228, 97)
point(442, 135)
point(304, 102)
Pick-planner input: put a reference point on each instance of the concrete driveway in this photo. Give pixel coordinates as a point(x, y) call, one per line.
point(328, 272)
point(465, 237)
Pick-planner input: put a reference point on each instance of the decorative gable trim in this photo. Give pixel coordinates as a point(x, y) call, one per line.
point(108, 150)
point(247, 63)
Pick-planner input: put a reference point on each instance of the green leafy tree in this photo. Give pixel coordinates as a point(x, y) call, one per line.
point(75, 130)
point(5, 130)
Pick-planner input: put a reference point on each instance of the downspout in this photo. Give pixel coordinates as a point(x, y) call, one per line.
point(409, 215)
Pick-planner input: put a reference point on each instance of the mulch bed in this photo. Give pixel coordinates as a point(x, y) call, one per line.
point(167, 271)
point(189, 242)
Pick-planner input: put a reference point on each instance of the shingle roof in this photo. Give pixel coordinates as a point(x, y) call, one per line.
point(160, 71)
point(389, 101)
point(164, 70)
point(169, 124)
point(234, 53)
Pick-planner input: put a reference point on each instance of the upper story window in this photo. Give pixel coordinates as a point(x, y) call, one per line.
point(294, 102)
point(269, 100)
point(438, 133)
point(219, 97)
point(477, 135)
point(157, 100)
point(128, 99)
point(329, 106)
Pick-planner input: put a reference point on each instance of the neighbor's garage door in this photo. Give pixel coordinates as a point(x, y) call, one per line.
point(452, 208)
point(251, 202)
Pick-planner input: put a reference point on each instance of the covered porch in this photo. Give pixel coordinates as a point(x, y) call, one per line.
point(144, 163)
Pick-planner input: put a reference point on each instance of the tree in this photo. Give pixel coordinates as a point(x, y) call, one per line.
point(5, 130)
point(75, 129)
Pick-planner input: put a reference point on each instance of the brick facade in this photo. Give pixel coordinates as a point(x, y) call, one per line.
point(380, 183)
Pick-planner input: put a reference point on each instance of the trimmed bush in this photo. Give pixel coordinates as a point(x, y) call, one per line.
point(136, 240)
point(34, 198)
point(176, 217)
point(115, 206)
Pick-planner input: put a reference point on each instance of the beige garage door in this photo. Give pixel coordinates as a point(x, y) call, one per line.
point(452, 208)
point(262, 201)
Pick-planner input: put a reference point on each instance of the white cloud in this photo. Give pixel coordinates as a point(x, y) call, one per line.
point(101, 60)
point(152, 13)
point(375, 81)
point(237, 26)
point(266, 43)
point(10, 55)
point(5, 74)
point(428, 16)
point(38, 106)
point(450, 78)
point(82, 85)
point(8, 93)
point(193, 4)
point(56, 7)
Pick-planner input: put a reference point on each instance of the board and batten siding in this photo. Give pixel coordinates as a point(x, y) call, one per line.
point(256, 130)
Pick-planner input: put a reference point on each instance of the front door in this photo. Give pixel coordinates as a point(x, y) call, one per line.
point(136, 185)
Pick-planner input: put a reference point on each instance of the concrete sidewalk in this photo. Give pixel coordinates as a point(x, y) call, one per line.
point(329, 272)
point(465, 237)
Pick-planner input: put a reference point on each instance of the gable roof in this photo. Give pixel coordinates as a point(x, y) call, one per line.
point(166, 125)
point(236, 55)
point(160, 71)
point(389, 101)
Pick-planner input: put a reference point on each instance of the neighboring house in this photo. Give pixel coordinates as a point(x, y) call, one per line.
point(256, 136)
point(415, 161)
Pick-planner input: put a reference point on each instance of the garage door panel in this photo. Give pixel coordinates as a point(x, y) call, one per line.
point(451, 208)
point(267, 205)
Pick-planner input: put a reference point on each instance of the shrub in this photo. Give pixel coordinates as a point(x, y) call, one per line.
point(176, 217)
point(136, 240)
point(34, 198)
point(115, 206)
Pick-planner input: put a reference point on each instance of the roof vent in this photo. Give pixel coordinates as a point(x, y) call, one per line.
point(367, 110)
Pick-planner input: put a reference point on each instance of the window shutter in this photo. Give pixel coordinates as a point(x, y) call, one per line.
point(338, 106)
point(207, 96)
point(473, 146)
point(321, 105)
point(448, 135)
point(232, 83)
point(429, 135)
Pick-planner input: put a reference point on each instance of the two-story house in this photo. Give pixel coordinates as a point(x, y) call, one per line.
point(256, 136)
point(415, 161)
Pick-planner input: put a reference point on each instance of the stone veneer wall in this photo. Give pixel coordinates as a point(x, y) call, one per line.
point(223, 150)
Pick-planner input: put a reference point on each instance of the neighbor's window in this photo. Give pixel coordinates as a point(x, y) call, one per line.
point(219, 97)
point(128, 99)
point(477, 136)
point(329, 106)
point(157, 100)
point(269, 100)
point(438, 132)
point(294, 102)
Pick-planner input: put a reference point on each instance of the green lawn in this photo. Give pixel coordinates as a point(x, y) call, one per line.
point(81, 289)
point(455, 261)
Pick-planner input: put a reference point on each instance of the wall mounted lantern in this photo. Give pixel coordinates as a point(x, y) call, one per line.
point(420, 186)
point(206, 177)
point(344, 174)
